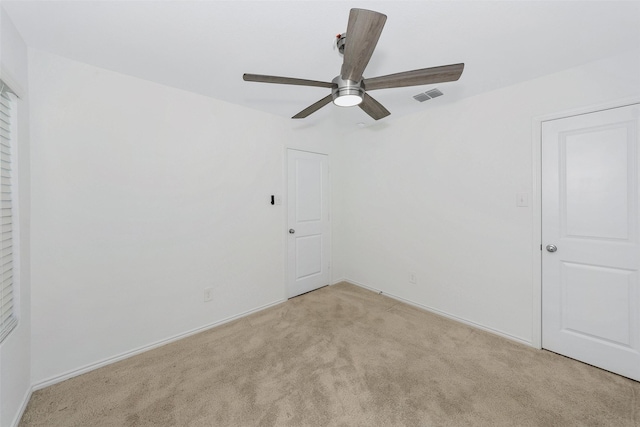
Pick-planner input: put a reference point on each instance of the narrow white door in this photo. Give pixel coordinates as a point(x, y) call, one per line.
point(308, 217)
point(591, 249)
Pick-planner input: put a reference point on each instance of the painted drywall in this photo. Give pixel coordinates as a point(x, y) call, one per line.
point(143, 196)
point(15, 350)
point(435, 194)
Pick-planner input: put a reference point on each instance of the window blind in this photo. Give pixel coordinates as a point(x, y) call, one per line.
point(8, 318)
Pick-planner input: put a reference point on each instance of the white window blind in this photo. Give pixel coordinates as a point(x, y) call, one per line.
point(8, 318)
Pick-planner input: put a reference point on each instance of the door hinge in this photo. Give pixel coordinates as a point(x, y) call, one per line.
point(540, 246)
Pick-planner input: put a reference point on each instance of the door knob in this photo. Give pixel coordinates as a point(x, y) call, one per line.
point(552, 248)
point(291, 231)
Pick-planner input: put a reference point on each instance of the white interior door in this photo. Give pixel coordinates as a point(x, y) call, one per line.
point(590, 295)
point(308, 217)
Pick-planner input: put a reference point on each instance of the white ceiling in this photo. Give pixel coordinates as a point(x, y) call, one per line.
point(206, 46)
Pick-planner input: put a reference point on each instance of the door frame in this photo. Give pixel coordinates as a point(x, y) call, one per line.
point(536, 202)
point(285, 205)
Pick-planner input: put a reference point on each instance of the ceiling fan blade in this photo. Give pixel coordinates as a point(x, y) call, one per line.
point(313, 107)
point(284, 80)
point(424, 76)
point(373, 108)
point(363, 31)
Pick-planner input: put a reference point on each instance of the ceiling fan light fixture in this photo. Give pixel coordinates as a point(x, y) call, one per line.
point(347, 100)
point(347, 93)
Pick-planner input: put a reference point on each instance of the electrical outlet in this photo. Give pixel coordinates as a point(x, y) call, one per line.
point(412, 278)
point(208, 294)
point(522, 200)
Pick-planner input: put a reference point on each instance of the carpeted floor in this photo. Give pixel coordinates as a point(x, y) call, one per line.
point(341, 356)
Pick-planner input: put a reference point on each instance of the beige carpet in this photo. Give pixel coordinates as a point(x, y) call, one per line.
point(341, 356)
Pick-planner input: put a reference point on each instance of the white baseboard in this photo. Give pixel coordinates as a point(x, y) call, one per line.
point(444, 314)
point(92, 366)
point(23, 407)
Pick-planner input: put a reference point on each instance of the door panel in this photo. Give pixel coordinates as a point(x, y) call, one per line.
point(590, 296)
point(308, 189)
point(308, 255)
point(308, 218)
point(589, 289)
point(596, 187)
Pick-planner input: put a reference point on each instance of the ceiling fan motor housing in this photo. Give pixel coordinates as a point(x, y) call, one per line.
point(346, 89)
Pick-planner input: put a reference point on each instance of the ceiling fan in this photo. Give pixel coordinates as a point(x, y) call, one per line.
point(350, 88)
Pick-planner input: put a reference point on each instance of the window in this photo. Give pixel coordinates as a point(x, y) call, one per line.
point(8, 319)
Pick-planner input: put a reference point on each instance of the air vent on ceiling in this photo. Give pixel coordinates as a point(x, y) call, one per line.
point(433, 93)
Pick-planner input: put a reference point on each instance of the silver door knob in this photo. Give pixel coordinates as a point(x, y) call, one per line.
point(291, 231)
point(552, 248)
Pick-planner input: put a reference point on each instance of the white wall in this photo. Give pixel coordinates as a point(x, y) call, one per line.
point(435, 194)
point(144, 195)
point(15, 351)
